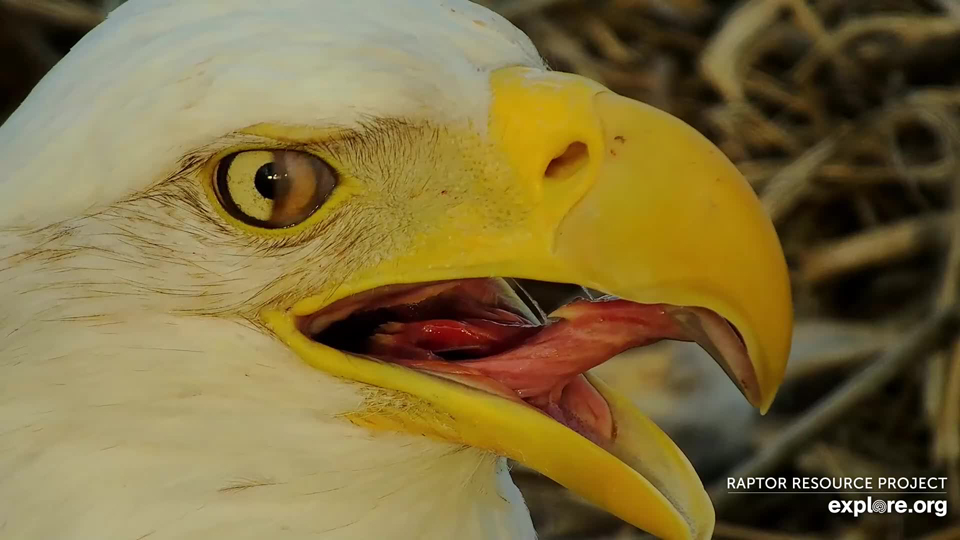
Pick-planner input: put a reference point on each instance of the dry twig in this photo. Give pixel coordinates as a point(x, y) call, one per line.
point(57, 12)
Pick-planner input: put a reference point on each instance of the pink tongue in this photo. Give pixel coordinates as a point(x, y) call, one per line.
point(587, 335)
point(531, 360)
point(541, 364)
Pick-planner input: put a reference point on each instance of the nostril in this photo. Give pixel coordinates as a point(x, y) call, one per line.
point(568, 163)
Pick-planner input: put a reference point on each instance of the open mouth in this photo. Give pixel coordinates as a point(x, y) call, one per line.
point(492, 335)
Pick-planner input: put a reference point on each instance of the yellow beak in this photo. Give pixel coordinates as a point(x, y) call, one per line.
point(622, 198)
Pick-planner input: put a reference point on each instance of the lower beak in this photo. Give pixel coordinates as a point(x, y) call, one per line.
point(622, 198)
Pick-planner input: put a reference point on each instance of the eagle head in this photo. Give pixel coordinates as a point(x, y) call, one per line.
point(261, 266)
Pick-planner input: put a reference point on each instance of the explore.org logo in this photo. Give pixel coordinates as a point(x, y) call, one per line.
point(859, 495)
point(936, 507)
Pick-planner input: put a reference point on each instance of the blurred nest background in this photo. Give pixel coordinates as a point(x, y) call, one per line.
point(843, 115)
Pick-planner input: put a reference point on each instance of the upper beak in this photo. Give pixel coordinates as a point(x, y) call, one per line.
point(655, 213)
point(616, 196)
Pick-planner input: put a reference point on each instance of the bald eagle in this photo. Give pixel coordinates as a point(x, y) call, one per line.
point(255, 264)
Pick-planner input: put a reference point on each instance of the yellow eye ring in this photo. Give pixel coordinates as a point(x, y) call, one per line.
point(273, 189)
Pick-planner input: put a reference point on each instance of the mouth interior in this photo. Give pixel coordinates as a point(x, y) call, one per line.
point(492, 335)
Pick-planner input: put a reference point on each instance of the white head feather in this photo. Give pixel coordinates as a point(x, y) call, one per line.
point(121, 416)
point(163, 77)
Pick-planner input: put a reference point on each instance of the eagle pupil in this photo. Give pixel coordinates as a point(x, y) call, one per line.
point(266, 181)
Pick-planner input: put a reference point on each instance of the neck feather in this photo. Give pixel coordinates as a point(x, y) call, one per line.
point(177, 427)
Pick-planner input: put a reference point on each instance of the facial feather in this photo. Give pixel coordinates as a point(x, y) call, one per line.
point(166, 250)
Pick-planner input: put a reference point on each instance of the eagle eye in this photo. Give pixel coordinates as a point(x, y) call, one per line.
point(273, 189)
